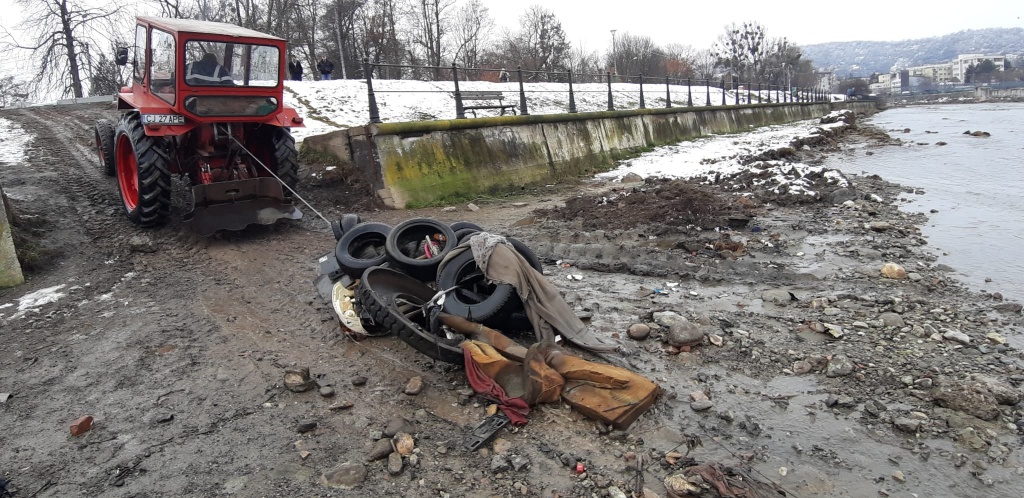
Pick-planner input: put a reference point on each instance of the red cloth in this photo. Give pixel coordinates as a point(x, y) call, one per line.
point(515, 408)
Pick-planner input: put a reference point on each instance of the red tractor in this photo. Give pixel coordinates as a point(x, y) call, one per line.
point(205, 102)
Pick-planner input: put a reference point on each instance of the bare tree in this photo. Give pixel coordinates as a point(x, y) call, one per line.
point(473, 22)
point(539, 44)
point(742, 49)
point(377, 33)
point(430, 22)
point(581, 61)
point(60, 34)
point(704, 64)
point(679, 61)
point(637, 54)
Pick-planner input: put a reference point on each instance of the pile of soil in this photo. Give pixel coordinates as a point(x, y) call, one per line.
point(673, 203)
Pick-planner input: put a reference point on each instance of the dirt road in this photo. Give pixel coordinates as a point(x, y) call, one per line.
point(177, 344)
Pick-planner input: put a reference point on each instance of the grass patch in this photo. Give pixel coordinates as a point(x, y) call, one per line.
point(309, 155)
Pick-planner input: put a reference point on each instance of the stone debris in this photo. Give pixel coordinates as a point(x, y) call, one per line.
point(81, 425)
point(404, 444)
point(381, 449)
point(297, 379)
point(414, 386)
point(344, 476)
point(395, 464)
point(638, 331)
point(894, 271)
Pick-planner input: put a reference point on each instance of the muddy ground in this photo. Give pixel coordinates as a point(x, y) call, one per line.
point(830, 379)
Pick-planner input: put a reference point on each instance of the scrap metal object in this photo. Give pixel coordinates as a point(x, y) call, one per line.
point(485, 431)
point(234, 205)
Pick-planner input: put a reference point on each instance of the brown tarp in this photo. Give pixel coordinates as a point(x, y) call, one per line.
point(546, 309)
point(543, 373)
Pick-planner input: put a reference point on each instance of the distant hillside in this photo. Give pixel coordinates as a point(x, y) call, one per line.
point(861, 58)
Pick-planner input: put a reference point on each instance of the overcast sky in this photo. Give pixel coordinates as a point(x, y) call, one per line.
point(699, 23)
point(589, 22)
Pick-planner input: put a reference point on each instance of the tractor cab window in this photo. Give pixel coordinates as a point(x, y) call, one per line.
point(140, 53)
point(211, 63)
point(161, 65)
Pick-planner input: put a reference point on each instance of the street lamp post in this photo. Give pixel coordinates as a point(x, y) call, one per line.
point(785, 75)
point(615, 69)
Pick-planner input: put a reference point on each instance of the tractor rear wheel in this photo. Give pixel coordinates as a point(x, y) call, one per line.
point(143, 174)
point(285, 161)
point(105, 145)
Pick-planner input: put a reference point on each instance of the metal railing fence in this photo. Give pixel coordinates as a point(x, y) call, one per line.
point(687, 90)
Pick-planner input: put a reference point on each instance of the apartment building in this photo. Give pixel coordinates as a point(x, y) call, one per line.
point(937, 73)
point(965, 61)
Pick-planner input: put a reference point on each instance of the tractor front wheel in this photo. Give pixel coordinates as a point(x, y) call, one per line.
point(143, 175)
point(105, 145)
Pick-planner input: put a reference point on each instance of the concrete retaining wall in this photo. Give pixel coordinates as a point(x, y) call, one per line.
point(10, 270)
point(431, 161)
point(984, 94)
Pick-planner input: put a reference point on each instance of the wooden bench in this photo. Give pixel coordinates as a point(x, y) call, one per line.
point(486, 96)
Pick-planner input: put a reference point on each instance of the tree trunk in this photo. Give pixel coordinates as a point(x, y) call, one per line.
point(69, 43)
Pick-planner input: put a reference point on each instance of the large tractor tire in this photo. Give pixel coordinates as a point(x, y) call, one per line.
point(285, 159)
point(392, 304)
point(105, 146)
point(143, 174)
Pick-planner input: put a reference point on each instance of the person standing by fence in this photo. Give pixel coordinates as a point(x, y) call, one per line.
point(295, 68)
point(503, 76)
point(326, 67)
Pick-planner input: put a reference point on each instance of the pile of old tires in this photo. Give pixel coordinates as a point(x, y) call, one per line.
point(401, 282)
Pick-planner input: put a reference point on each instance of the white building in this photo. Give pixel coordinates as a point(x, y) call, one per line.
point(938, 73)
point(965, 61)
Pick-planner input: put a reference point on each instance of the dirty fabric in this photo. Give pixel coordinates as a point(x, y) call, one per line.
point(734, 482)
point(530, 378)
point(606, 393)
point(544, 305)
point(515, 408)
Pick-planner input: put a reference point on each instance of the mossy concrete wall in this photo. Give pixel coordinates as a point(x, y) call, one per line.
point(432, 161)
point(10, 270)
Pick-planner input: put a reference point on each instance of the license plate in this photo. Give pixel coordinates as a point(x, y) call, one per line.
point(164, 119)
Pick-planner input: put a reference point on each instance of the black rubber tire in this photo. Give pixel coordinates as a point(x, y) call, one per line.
point(526, 252)
point(362, 247)
point(382, 317)
point(344, 224)
point(474, 298)
point(285, 160)
point(349, 220)
point(105, 146)
point(374, 315)
point(411, 232)
point(153, 172)
point(459, 225)
point(463, 233)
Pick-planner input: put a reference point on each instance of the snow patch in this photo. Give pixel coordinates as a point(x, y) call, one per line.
point(13, 142)
point(29, 302)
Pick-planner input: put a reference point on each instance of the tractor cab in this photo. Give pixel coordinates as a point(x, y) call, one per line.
point(205, 102)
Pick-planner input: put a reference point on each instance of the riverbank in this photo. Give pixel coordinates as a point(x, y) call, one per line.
point(822, 374)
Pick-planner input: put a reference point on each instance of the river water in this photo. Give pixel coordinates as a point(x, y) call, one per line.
point(975, 184)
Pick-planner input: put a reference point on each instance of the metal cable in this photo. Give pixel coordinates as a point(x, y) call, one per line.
point(285, 185)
